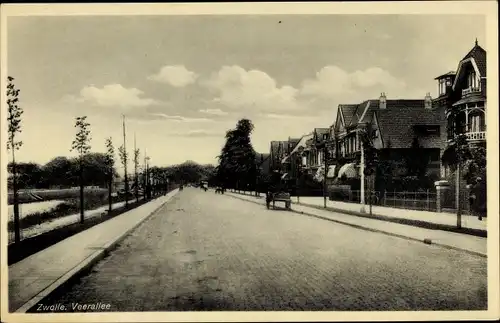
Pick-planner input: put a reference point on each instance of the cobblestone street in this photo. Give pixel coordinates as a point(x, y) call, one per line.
point(203, 251)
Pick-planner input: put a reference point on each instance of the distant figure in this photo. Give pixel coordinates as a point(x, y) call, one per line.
point(269, 198)
point(477, 199)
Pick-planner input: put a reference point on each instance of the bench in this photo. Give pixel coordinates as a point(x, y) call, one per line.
point(282, 197)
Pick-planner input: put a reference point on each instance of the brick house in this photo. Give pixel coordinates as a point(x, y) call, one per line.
point(393, 126)
point(462, 94)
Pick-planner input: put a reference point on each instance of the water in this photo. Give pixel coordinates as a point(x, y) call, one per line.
point(30, 208)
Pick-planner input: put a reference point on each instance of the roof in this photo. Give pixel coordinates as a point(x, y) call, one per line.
point(450, 73)
point(470, 99)
point(479, 56)
point(348, 112)
point(397, 120)
point(293, 142)
point(261, 157)
point(322, 131)
point(302, 142)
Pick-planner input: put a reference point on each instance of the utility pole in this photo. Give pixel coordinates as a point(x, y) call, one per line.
point(362, 171)
point(136, 180)
point(125, 163)
point(457, 197)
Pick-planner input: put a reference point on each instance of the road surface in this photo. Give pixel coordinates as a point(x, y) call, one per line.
point(204, 251)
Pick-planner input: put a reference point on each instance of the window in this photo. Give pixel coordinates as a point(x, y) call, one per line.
point(442, 87)
point(325, 136)
point(475, 124)
point(473, 81)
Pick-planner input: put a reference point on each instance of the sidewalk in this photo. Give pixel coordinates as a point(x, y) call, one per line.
point(66, 220)
point(35, 277)
point(443, 218)
point(468, 243)
point(431, 220)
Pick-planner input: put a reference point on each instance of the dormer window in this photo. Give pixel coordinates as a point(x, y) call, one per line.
point(473, 81)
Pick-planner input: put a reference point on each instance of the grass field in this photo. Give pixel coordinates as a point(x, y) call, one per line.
point(66, 202)
point(37, 195)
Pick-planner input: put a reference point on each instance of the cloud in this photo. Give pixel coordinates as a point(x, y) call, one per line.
point(175, 75)
point(198, 133)
point(111, 95)
point(238, 88)
point(332, 82)
point(287, 116)
point(177, 118)
point(217, 112)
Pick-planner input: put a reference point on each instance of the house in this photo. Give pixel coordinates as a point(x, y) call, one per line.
point(262, 161)
point(393, 126)
point(314, 154)
point(276, 154)
point(463, 96)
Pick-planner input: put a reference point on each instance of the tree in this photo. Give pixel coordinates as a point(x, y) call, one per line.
point(29, 175)
point(81, 145)
point(371, 158)
point(237, 167)
point(110, 162)
point(416, 160)
point(122, 152)
point(60, 172)
point(14, 127)
point(136, 178)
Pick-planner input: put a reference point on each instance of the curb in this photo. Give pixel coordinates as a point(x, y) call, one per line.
point(426, 241)
point(86, 264)
point(415, 223)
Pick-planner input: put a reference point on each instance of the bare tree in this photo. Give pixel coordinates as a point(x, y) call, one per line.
point(81, 145)
point(110, 162)
point(122, 152)
point(14, 122)
point(136, 167)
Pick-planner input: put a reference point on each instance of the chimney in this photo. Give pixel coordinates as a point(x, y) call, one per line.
point(428, 101)
point(383, 101)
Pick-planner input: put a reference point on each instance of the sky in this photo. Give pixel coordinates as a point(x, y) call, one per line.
point(183, 81)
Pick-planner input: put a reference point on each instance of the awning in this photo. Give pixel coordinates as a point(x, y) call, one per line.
point(284, 176)
point(320, 173)
point(331, 171)
point(348, 170)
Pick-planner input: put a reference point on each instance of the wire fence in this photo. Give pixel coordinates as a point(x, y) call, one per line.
point(423, 201)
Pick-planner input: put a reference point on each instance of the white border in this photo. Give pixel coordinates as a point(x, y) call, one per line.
point(487, 8)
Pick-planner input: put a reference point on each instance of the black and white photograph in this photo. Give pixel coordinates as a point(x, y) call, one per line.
point(164, 162)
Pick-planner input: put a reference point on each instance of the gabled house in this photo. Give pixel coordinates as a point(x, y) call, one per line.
point(393, 126)
point(463, 96)
point(262, 161)
point(314, 156)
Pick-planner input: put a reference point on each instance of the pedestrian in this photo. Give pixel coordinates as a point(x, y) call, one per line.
point(477, 198)
point(269, 197)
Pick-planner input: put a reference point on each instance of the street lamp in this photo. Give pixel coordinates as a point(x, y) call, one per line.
point(300, 152)
point(146, 184)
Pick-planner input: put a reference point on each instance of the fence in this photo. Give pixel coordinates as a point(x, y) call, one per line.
point(423, 201)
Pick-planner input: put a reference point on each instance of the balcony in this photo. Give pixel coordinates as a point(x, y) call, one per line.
point(476, 135)
point(470, 90)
